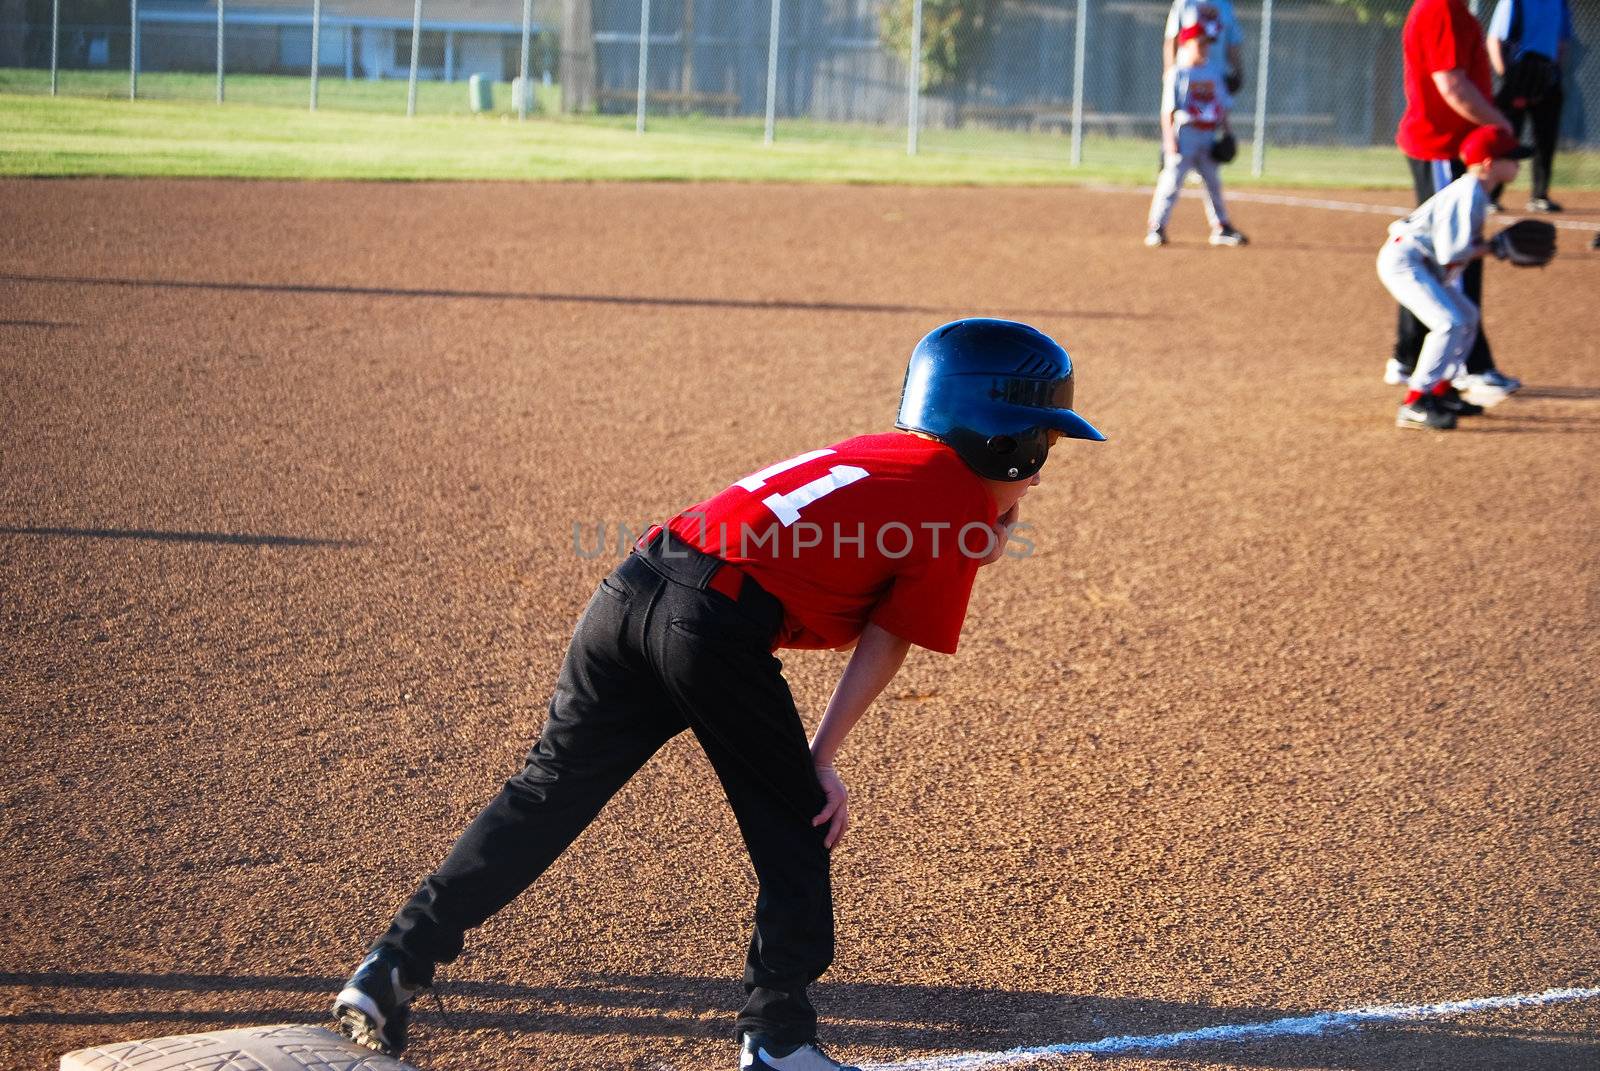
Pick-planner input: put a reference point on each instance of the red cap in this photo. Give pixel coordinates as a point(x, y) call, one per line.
point(1190, 32)
point(1492, 143)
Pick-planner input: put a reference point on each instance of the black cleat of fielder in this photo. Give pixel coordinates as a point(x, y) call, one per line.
point(373, 1007)
point(1452, 402)
point(1425, 412)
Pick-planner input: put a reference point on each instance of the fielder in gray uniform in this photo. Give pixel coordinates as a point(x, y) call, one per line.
point(1422, 261)
point(1194, 111)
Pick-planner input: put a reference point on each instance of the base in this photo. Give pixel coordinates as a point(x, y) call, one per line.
point(285, 1047)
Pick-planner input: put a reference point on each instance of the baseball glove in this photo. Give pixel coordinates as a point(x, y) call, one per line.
point(1234, 80)
point(1224, 149)
point(1527, 243)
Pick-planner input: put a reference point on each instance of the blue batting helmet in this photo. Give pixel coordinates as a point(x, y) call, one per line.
point(993, 390)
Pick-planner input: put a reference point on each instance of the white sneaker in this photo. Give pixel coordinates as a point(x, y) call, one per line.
point(1395, 374)
point(756, 1053)
point(1155, 237)
point(1478, 390)
point(1228, 236)
point(1511, 384)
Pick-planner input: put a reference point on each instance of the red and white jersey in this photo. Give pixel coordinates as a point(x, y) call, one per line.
point(1195, 95)
point(1447, 226)
point(885, 528)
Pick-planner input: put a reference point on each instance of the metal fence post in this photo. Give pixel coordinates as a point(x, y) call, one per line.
point(222, 6)
point(133, 50)
point(522, 67)
point(772, 72)
point(1078, 53)
point(914, 81)
point(55, 42)
point(316, 48)
point(416, 51)
point(1258, 151)
point(644, 62)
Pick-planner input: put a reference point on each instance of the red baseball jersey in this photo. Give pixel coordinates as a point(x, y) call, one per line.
point(1439, 35)
point(887, 528)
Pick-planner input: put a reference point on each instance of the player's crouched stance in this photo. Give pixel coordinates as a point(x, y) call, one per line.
point(681, 636)
point(1421, 262)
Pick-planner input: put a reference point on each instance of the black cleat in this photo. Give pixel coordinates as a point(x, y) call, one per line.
point(1452, 402)
point(373, 1007)
point(1543, 204)
point(1425, 412)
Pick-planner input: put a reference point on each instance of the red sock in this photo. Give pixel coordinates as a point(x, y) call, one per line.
point(1411, 397)
point(1441, 388)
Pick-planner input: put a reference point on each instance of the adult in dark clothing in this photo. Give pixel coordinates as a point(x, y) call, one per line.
point(1527, 45)
point(1448, 87)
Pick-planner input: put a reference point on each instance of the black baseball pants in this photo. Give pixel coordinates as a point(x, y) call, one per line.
point(1429, 177)
point(656, 652)
point(1545, 117)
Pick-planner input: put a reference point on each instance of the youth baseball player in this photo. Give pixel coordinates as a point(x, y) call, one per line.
point(1424, 257)
point(1217, 19)
point(1194, 113)
point(873, 541)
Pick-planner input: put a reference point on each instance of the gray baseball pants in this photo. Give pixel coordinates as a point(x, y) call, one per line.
point(1194, 154)
point(1449, 315)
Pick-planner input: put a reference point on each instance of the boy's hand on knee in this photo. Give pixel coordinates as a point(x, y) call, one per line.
point(837, 812)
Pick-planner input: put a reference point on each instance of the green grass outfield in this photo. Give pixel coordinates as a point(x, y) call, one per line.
point(265, 131)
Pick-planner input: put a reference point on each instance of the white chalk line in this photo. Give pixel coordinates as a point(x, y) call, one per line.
point(1295, 201)
point(1294, 1026)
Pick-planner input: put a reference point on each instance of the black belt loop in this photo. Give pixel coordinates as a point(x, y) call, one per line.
point(686, 564)
point(677, 560)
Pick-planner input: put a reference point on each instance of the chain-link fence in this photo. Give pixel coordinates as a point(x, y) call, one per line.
point(1059, 79)
point(433, 57)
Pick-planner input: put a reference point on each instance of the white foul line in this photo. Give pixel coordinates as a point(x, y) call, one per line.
point(1297, 201)
point(1308, 1025)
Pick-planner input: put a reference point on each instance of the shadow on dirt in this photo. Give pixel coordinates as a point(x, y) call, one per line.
point(238, 539)
point(759, 304)
point(1526, 426)
point(1565, 393)
point(917, 1019)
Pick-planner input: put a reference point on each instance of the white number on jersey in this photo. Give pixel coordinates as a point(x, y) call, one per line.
point(759, 480)
point(787, 507)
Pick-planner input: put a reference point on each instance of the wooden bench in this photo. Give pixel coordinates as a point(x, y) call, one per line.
point(669, 101)
point(1121, 124)
point(1015, 116)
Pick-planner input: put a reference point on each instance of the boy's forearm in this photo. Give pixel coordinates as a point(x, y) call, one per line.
point(876, 660)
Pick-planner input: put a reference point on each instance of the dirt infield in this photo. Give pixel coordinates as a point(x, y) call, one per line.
point(1292, 711)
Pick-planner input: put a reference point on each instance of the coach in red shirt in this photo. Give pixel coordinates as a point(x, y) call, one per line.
point(1448, 95)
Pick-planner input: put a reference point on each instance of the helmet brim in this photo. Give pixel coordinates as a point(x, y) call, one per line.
point(1073, 426)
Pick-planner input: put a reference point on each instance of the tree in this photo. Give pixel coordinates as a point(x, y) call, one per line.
point(954, 33)
point(1388, 12)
